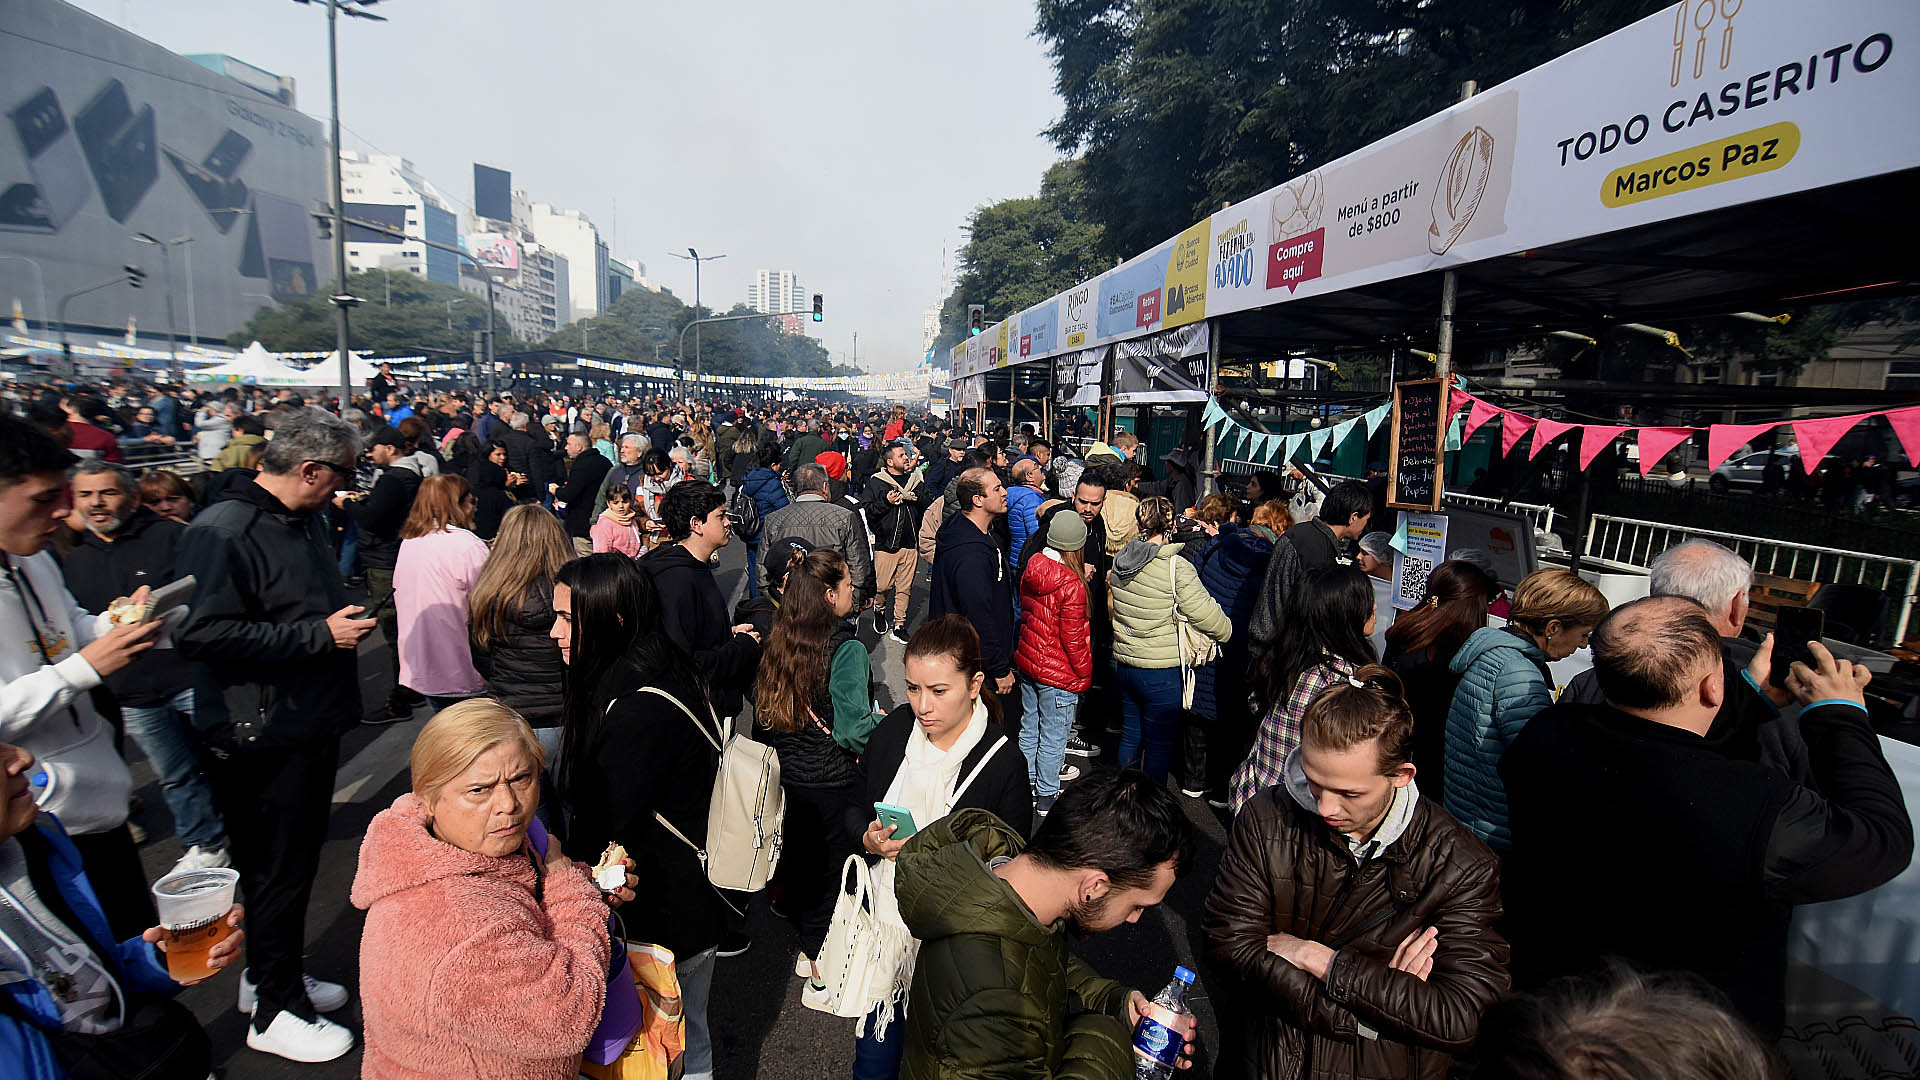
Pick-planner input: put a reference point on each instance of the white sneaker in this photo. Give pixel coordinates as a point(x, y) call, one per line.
point(802, 966)
point(199, 858)
point(295, 1039)
point(325, 996)
point(1069, 773)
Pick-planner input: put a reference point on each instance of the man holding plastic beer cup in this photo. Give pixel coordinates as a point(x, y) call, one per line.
point(69, 997)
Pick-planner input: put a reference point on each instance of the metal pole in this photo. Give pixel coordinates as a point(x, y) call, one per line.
point(193, 323)
point(493, 378)
point(1449, 292)
point(1207, 454)
point(339, 208)
point(173, 350)
point(699, 369)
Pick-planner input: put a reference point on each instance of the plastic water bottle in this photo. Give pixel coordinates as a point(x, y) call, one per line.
point(1159, 1037)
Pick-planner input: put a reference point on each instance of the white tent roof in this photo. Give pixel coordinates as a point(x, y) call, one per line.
point(255, 366)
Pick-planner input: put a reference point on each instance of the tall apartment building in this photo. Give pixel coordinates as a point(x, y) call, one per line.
point(387, 189)
point(776, 290)
point(572, 235)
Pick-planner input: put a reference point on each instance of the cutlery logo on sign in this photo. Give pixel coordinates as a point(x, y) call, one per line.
point(1692, 22)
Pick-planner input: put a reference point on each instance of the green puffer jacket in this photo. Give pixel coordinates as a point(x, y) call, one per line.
point(991, 985)
point(1145, 634)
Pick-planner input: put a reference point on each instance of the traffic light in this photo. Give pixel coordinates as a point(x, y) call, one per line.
point(135, 275)
point(819, 311)
point(976, 319)
point(323, 220)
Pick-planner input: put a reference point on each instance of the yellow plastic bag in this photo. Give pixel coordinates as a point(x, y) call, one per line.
point(660, 1045)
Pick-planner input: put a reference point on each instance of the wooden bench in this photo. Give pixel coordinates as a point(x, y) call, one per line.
point(1770, 593)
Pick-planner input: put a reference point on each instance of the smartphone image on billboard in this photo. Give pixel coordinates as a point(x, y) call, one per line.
point(220, 196)
point(23, 210)
point(53, 157)
point(120, 148)
point(286, 245)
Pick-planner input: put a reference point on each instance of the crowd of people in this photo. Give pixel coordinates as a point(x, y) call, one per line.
point(1439, 859)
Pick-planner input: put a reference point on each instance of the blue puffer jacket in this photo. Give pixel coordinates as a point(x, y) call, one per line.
point(1234, 569)
point(1023, 515)
point(764, 485)
point(1503, 683)
point(23, 1049)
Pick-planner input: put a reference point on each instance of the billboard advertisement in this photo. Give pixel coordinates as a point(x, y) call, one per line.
point(392, 215)
point(108, 137)
point(492, 249)
point(492, 193)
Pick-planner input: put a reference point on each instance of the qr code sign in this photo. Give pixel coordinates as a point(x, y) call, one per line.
point(1413, 580)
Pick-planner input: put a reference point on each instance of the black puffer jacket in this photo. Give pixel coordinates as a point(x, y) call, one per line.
point(523, 669)
point(267, 582)
point(381, 516)
point(809, 757)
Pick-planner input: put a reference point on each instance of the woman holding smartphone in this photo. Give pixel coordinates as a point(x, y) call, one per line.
point(944, 750)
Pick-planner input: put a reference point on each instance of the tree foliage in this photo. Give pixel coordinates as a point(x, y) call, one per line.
point(1175, 106)
point(1021, 251)
point(645, 326)
point(404, 313)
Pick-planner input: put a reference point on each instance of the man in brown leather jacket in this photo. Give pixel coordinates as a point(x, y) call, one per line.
point(1352, 918)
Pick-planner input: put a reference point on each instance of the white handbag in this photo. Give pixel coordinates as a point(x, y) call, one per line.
point(866, 937)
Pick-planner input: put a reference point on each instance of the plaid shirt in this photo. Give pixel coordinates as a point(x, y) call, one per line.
point(1280, 732)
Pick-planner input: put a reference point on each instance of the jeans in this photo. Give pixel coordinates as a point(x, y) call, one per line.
point(166, 735)
point(1046, 714)
point(349, 547)
point(1149, 716)
point(696, 981)
point(753, 561)
point(875, 1059)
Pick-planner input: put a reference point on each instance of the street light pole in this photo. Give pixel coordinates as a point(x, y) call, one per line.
point(166, 270)
point(339, 209)
point(696, 258)
point(40, 283)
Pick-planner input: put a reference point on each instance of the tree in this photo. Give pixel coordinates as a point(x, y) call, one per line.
point(645, 326)
point(405, 314)
point(1022, 251)
point(1177, 105)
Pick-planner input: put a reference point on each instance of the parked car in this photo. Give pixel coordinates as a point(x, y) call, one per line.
point(1748, 470)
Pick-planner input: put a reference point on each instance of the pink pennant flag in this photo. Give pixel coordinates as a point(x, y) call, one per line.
point(1816, 437)
point(1724, 439)
point(1477, 417)
point(1512, 427)
point(1544, 433)
point(1906, 426)
point(1658, 442)
point(1457, 399)
point(1595, 438)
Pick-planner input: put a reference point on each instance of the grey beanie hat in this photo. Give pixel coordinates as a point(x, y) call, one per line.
point(1066, 532)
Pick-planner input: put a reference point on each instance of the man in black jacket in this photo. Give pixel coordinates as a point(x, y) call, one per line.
point(275, 637)
point(695, 514)
point(123, 548)
point(970, 575)
point(586, 470)
point(524, 456)
point(1343, 516)
point(380, 517)
point(893, 500)
point(1635, 838)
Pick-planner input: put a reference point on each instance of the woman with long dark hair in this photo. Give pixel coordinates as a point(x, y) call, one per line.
point(1328, 622)
point(1420, 646)
point(639, 751)
point(812, 694)
point(943, 751)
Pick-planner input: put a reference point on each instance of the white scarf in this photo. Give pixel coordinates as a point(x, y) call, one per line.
point(924, 785)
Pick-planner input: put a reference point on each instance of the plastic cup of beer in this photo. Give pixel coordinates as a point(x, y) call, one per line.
point(193, 907)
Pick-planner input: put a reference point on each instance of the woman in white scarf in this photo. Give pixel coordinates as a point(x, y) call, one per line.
point(944, 750)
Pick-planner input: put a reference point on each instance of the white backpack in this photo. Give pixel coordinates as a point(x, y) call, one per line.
point(744, 816)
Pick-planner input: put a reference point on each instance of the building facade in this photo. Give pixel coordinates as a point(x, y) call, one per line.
point(387, 189)
point(776, 290)
point(571, 235)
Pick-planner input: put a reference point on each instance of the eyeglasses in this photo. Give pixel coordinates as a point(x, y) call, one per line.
point(339, 470)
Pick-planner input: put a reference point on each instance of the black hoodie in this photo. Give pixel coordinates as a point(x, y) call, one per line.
point(696, 617)
point(970, 578)
point(101, 571)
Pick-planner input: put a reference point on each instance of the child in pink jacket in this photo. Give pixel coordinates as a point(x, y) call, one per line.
point(618, 527)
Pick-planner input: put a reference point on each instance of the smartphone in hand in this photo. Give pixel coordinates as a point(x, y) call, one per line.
point(1793, 630)
point(899, 817)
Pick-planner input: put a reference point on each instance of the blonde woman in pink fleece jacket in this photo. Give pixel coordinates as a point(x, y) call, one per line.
point(478, 959)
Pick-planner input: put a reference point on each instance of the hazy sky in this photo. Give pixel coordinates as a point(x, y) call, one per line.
point(845, 140)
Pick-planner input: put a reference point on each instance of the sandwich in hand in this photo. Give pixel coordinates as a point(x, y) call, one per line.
point(610, 873)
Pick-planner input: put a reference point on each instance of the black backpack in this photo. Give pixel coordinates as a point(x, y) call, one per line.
point(744, 513)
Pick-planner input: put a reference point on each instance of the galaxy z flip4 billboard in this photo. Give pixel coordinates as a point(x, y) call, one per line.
point(108, 136)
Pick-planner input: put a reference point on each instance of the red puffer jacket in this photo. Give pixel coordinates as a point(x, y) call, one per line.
point(1056, 644)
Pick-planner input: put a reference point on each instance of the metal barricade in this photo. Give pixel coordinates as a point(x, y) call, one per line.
point(1538, 514)
point(178, 457)
point(1632, 544)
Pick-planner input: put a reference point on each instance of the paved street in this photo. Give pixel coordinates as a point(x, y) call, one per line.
point(761, 1029)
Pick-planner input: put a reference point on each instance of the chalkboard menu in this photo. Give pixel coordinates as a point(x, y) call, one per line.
point(1413, 462)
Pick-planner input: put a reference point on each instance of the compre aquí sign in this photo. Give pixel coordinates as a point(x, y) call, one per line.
point(1702, 105)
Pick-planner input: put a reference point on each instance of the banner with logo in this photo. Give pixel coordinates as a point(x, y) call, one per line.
point(1167, 368)
point(1077, 376)
point(1702, 105)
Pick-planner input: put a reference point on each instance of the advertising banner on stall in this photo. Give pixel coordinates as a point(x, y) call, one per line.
point(1077, 376)
point(1420, 546)
point(1702, 105)
point(1167, 368)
